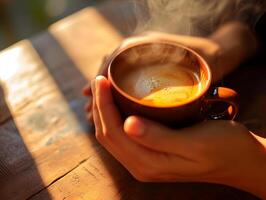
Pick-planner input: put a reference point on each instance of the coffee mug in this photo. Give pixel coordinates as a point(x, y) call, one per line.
point(166, 82)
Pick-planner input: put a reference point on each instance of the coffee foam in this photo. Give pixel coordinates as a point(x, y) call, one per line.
point(161, 85)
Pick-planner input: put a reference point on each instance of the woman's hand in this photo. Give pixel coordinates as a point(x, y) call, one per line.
point(222, 152)
point(224, 50)
point(205, 47)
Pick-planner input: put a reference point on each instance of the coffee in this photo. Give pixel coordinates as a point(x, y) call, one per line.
point(160, 85)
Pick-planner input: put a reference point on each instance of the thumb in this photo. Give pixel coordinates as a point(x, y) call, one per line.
point(155, 136)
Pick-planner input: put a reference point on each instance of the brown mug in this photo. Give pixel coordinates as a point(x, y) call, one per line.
point(166, 82)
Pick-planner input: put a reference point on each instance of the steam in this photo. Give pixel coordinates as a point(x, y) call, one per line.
point(194, 17)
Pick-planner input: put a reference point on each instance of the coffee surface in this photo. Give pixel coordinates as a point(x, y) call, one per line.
point(161, 85)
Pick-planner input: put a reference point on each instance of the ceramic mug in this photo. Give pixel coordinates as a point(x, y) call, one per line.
point(135, 56)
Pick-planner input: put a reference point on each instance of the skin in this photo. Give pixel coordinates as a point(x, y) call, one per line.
point(222, 152)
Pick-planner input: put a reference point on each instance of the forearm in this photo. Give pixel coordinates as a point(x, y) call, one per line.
point(236, 44)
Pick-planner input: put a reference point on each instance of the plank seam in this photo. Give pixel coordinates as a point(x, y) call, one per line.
point(60, 177)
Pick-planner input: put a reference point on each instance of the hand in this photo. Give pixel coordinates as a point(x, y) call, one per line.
point(205, 47)
point(222, 152)
point(224, 50)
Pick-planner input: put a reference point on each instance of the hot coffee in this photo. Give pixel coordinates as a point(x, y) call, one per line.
point(166, 82)
point(161, 85)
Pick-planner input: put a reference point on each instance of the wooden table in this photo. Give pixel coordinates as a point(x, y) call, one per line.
point(48, 149)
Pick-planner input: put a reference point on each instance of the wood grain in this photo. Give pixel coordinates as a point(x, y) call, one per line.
point(42, 96)
point(47, 148)
point(97, 42)
point(46, 133)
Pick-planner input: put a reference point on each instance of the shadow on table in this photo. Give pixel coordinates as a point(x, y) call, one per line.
point(127, 186)
point(19, 175)
point(65, 73)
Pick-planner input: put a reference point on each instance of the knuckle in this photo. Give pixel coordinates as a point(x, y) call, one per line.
point(106, 134)
point(141, 177)
point(103, 135)
point(90, 118)
point(144, 174)
point(99, 136)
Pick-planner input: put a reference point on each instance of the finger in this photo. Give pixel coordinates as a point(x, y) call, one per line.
point(110, 117)
point(156, 136)
point(88, 105)
point(89, 117)
point(113, 137)
point(96, 116)
point(124, 149)
point(115, 140)
point(87, 90)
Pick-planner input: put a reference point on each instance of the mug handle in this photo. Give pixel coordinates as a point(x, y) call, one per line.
point(226, 97)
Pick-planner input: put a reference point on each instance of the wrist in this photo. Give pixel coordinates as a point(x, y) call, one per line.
point(236, 36)
point(251, 176)
point(236, 43)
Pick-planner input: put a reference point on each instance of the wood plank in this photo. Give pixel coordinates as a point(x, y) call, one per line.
point(49, 148)
point(43, 96)
point(47, 130)
point(87, 37)
point(101, 178)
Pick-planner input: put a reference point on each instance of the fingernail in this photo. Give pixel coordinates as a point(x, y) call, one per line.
point(134, 126)
point(97, 80)
point(99, 77)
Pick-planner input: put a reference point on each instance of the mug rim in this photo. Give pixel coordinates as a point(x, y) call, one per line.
point(121, 49)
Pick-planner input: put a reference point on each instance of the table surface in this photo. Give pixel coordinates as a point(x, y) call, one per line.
point(48, 149)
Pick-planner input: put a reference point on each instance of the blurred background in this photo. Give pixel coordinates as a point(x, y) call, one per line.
point(21, 19)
